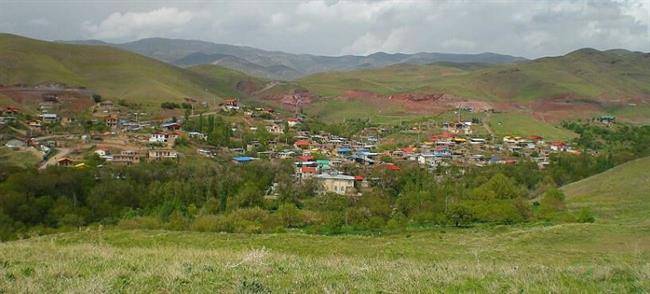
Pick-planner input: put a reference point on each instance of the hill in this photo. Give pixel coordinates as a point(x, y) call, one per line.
point(621, 194)
point(281, 65)
point(113, 73)
point(579, 84)
point(586, 73)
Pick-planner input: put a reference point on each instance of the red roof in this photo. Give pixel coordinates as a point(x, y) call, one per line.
point(408, 149)
point(293, 119)
point(358, 178)
point(308, 170)
point(392, 167)
point(536, 138)
point(558, 143)
point(302, 143)
point(443, 135)
point(305, 158)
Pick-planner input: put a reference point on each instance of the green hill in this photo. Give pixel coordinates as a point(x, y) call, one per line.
point(113, 73)
point(621, 194)
point(586, 73)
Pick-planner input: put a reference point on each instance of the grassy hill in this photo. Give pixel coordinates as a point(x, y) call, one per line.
point(621, 194)
point(577, 85)
point(610, 255)
point(113, 73)
point(584, 73)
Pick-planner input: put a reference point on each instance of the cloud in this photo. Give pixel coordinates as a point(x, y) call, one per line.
point(138, 24)
point(523, 28)
point(39, 22)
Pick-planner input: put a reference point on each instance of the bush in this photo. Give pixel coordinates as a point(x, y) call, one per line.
point(290, 215)
point(205, 223)
point(586, 216)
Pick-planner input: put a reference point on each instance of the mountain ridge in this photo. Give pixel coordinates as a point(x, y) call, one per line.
point(177, 51)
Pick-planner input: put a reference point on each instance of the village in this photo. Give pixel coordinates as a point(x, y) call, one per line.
point(117, 135)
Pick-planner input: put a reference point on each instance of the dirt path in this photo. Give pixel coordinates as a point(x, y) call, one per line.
point(486, 125)
point(267, 87)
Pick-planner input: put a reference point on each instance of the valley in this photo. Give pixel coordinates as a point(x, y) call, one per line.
point(168, 165)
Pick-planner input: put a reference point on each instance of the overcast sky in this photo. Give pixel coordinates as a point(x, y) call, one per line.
point(523, 28)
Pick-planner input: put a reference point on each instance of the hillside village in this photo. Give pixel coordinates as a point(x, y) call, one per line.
point(118, 134)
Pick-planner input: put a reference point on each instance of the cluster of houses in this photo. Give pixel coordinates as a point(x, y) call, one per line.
point(319, 157)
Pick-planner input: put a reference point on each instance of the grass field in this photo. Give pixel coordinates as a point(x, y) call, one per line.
point(521, 124)
point(619, 195)
point(24, 159)
point(610, 255)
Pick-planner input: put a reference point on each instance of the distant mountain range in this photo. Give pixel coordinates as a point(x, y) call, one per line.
point(281, 65)
point(578, 84)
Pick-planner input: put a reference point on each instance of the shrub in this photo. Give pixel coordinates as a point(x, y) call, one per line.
point(586, 216)
point(290, 215)
point(206, 223)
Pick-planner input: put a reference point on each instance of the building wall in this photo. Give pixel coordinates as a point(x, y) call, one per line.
point(337, 186)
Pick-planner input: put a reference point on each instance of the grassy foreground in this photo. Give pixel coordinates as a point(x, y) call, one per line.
point(610, 255)
point(562, 258)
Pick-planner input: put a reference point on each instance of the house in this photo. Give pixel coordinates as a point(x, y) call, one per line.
point(102, 152)
point(302, 144)
point(65, 161)
point(35, 124)
point(111, 120)
point(107, 104)
point(171, 126)
point(15, 144)
point(197, 135)
point(339, 184)
point(230, 104)
point(559, 146)
point(306, 172)
point(50, 97)
point(162, 138)
point(292, 122)
point(49, 117)
point(242, 159)
point(6, 119)
point(606, 119)
point(11, 110)
point(162, 154)
point(126, 157)
point(344, 151)
point(392, 167)
point(477, 141)
point(275, 129)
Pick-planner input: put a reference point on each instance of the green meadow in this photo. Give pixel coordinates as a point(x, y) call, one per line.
point(610, 255)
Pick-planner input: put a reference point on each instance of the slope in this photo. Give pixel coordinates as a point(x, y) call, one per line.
point(619, 195)
point(113, 73)
point(586, 73)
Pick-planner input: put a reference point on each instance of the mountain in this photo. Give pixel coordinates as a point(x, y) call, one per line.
point(580, 84)
point(111, 72)
point(281, 65)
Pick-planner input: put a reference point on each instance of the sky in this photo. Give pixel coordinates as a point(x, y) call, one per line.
point(522, 28)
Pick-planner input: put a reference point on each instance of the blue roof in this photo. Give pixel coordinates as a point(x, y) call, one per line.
point(344, 149)
point(242, 158)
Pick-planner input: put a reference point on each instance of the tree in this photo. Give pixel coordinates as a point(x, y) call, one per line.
point(249, 196)
point(460, 215)
point(552, 201)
